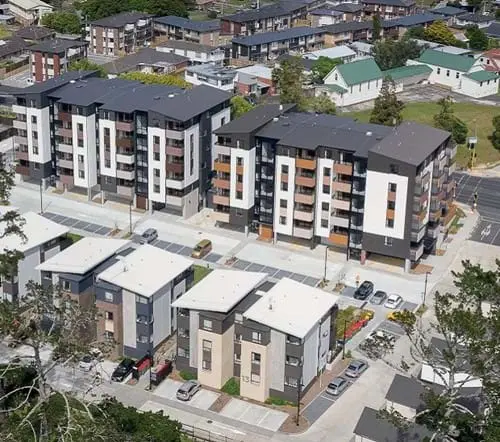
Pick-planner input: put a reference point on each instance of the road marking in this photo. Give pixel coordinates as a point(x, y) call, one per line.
point(329, 398)
point(486, 232)
point(225, 427)
point(493, 240)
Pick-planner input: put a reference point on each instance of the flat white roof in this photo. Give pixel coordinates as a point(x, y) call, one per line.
point(220, 290)
point(291, 307)
point(37, 229)
point(84, 255)
point(257, 70)
point(453, 50)
point(335, 52)
point(146, 270)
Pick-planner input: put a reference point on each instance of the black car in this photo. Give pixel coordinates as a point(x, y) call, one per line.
point(123, 370)
point(364, 290)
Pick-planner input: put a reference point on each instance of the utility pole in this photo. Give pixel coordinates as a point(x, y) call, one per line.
point(345, 338)
point(299, 393)
point(41, 196)
point(130, 217)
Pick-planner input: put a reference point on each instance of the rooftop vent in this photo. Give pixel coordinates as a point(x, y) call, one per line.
point(156, 98)
point(369, 134)
point(171, 95)
point(72, 81)
point(275, 119)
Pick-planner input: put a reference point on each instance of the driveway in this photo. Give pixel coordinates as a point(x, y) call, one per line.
point(203, 399)
point(253, 414)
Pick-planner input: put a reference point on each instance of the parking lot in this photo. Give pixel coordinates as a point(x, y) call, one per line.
point(78, 224)
point(203, 399)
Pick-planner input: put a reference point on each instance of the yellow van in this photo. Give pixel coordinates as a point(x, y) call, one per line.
point(201, 249)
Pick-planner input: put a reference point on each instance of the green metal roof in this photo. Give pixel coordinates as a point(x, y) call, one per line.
point(482, 76)
point(359, 71)
point(407, 71)
point(461, 63)
point(335, 88)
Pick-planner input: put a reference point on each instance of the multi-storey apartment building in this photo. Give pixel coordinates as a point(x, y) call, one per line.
point(321, 178)
point(120, 34)
point(196, 53)
point(51, 58)
point(229, 327)
point(389, 8)
point(135, 296)
point(150, 144)
point(179, 28)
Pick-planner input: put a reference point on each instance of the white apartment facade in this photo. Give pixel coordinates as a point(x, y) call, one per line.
point(197, 53)
point(29, 12)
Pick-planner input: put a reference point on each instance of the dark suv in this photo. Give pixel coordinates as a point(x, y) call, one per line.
point(123, 370)
point(364, 290)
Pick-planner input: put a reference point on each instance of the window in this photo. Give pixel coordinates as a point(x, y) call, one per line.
point(256, 358)
point(108, 296)
point(392, 187)
point(326, 171)
point(283, 204)
point(389, 223)
point(291, 382)
point(438, 71)
point(239, 161)
point(326, 189)
point(191, 154)
point(284, 186)
point(292, 360)
point(156, 139)
point(239, 212)
point(109, 335)
point(35, 150)
point(156, 156)
point(391, 205)
point(457, 75)
point(237, 358)
point(324, 223)
point(156, 172)
point(238, 318)
point(141, 299)
point(80, 158)
point(206, 365)
point(108, 180)
point(66, 285)
point(33, 119)
point(325, 207)
point(106, 132)
point(36, 166)
point(207, 324)
point(81, 174)
point(239, 178)
point(207, 345)
point(255, 378)
point(109, 316)
point(143, 339)
point(447, 72)
point(80, 142)
point(239, 195)
point(156, 188)
point(393, 168)
point(256, 337)
point(237, 337)
point(222, 121)
point(34, 134)
point(284, 169)
point(107, 163)
point(143, 319)
point(388, 241)
point(368, 87)
point(183, 353)
point(283, 220)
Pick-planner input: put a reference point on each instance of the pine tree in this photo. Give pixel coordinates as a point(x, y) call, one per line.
point(388, 109)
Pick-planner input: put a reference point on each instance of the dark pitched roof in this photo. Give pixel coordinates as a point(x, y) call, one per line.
point(348, 7)
point(147, 56)
point(120, 20)
point(56, 45)
point(12, 46)
point(193, 25)
point(448, 11)
point(57, 82)
point(329, 12)
point(269, 37)
point(376, 429)
point(493, 30)
point(34, 33)
point(411, 143)
point(307, 63)
point(268, 11)
point(398, 3)
point(476, 18)
point(348, 26)
point(416, 19)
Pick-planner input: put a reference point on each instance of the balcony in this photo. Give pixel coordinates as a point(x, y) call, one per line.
point(64, 132)
point(435, 215)
point(339, 221)
point(451, 169)
point(304, 163)
point(341, 204)
point(342, 186)
point(125, 174)
point(416, 253)
point(18, 124)
point(222, 167)
point(304, 215)
point(221, 183)
point(361, 172)
point(22, 155)
point(124, 142)
point(304, 199)
point(17, 109)
point(357, 208)
point(127, 191)
point(417, 236)
point(22, 170)
point(222, 200)
point(303, 232)
point(20, 140)
point(339, 239)
point(125, 126)
point(63, 147)
point(175, 167)
point(342, 168)
point(65, 163)
point(175, 151)
point(175, 134)
point(64, 116)
point(304, 181)
point(389, 214)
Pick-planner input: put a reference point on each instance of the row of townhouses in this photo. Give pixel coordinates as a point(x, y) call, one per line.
point(146, 144)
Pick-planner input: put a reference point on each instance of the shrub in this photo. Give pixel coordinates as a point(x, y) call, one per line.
point(187, 375)
point(271, 400)
point(231, 387)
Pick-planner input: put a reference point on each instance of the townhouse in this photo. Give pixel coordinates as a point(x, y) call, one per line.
point(44, 239)
point(316, 178)
point(35, 34)
point(231, 327)
point(389, 8)
point(216, 76)
point(449, 13)
point(350, 11)
point(146, 144)
point(134, 296)
point(51, 58)
point(179, 28)
point(29, 12)
point(196, 53)
point(270, 45)
point(323, 17)
point(479, 20)
point(120, 34)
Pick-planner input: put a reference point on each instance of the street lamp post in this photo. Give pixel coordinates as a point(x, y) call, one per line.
point(130, 217)
point(343, 345)
point(425, 287)
point(326, 258)
point(41, 196)
point(150, 355)
point(299, 394)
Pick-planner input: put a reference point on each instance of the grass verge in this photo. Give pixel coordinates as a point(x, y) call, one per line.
point(200, 272)
point(231, 387)
point(74, 237)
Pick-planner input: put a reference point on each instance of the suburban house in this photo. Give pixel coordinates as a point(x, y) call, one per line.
point(461, 73)
point(196, 53)
point(135, 296)
point(343, 53)
point(353, 83)
point(449, 14)
point(323, 17)
point(44, 239)
point(479, 20)
point(179, 28)
point(255, 80)
point(219, 77)
point(29, 12)
point(350, 11)
point(490, 60)
point(35, 34)
point(389, 8)
point(493, 30)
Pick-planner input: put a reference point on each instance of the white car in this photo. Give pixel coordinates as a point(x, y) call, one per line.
point(87, 363)
point(393, 301)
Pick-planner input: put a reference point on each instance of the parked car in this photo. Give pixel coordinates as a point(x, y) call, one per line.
point(161, 371)
point(364, 290)
point(123, 370)
point(355, 368)
point(393, 301)
point(202, 249)
point(187, 390)
point(337, 386)
point(148, 236)
point(379, 297)
point(87, 362)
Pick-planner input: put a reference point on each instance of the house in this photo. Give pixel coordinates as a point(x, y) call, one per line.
point(51, 58)
point(389, 8)
point(450, 13)
point(147, 60)
point(196, 53)
point(455, 72)
point(354, 82)
point(255, 80)
point(44, 239)
point(341, 52)
point(479, 20)
point(350, 11)
point(361, 49)
point(135, 295)
point(35, 34)
point(14, 51)
point(179, 28)
point(29, 12)
point(120, 34)
point(493, 30)
point(344, 33)
point(412, 21)
point(323, 17)
point(490, 60)
point(215, 76)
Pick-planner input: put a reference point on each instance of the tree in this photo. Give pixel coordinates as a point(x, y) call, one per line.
point(468, 323)
point(478, 40)
point(446, 120)
point(377, 27)
point(63, 22)
point(165, 79)
point(240, 106)
point(388, 109)
point(391, 54)
point(86, 65)
point(439, 32)
point(495, 137)
point(321, 105)
point(475, 4)
point(417, 32)
point(289, 78)
point(322, 67)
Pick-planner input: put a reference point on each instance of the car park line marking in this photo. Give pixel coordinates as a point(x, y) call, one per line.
point(493, 240)
point(329, 398)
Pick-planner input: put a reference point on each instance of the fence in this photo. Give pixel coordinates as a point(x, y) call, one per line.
point(200, 435)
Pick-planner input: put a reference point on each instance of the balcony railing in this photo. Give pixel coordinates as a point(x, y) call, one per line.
point(304, 163)
point(222, 200)
point(417, 252)
point(339, 239)
point(303, 232)
point(342, 168)
point(125, 126)
point(304, 199)
point(221, 183)
point(303, 215)
point(222, 167)
point(341, 204)
point(305, 181)
point(342, 186)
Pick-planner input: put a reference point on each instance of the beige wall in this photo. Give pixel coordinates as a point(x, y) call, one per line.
point(222, 358)
point(258, 392)
point(406, 412)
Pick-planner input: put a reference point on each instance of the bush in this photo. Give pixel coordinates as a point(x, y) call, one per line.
point(231, 387)
point(187, 375)
point(278, 401)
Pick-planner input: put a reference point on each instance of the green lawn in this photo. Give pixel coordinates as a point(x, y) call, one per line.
point(74, 237)
point(4, 32)
point(200, 272)
point(472, 114)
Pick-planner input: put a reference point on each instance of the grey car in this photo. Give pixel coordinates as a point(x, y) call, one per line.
point(337, 386)
point(187, 390)
point(149, 236)
point(378, 298)
point(355, 368)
